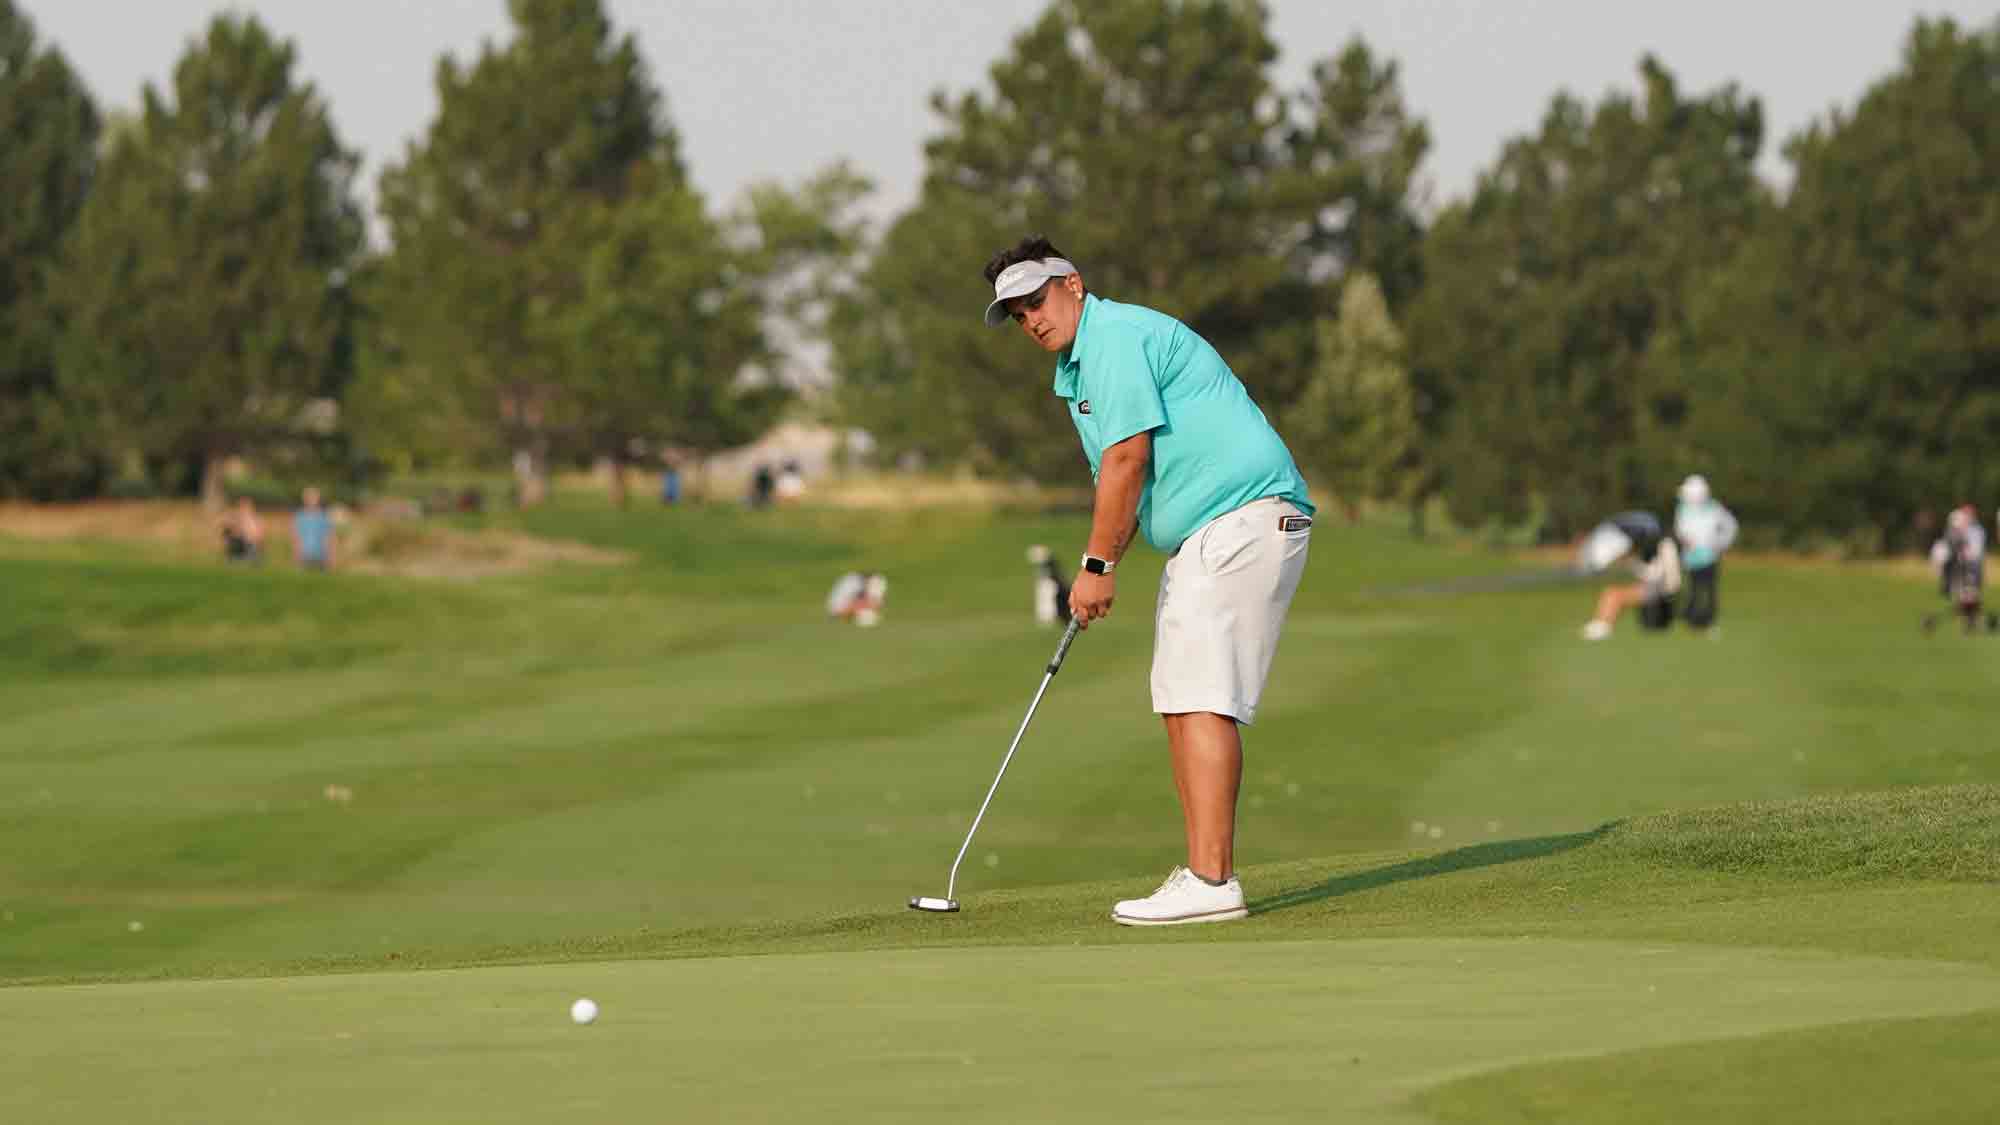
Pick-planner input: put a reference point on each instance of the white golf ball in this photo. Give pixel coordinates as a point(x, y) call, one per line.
point(584, 1011)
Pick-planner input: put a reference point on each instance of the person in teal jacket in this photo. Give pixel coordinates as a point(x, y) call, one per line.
point(1705, 529)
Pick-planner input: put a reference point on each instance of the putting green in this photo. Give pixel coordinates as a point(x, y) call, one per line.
point(1317, 1030)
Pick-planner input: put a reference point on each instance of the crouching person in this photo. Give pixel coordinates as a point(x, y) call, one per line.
point(1657, 566)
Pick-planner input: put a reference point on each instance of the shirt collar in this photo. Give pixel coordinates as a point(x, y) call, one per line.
point(1070, 362)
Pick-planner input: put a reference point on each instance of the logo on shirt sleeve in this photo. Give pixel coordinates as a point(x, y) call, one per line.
point(1083, 407)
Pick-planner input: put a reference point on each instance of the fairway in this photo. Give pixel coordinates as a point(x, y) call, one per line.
point(280, 846)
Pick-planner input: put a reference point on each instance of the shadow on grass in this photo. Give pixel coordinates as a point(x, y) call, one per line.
point(1458, 859)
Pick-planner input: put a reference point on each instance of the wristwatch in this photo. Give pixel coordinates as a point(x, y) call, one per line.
point(1094, 565)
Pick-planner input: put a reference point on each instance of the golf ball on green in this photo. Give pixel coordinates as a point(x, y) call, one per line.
point(584, 1011)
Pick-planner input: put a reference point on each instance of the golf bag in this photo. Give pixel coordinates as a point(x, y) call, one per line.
point(1660, 573)
point(1051, 592)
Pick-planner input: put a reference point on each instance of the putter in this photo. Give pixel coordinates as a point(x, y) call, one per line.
point(948, 904)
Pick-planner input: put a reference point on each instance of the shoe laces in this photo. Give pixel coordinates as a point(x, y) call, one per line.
point(1174, 879)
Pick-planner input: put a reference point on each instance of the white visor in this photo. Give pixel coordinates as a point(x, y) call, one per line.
point(1021, 279)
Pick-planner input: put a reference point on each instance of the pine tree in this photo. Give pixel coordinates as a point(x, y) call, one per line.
point(48, 157)
point(1843, 374)
point(474, 302)
point(1147, 140)
point(1544, 294)
point(1354, 427)
point(205, 285)
point(659, 345)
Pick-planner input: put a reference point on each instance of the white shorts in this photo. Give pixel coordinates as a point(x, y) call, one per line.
point(1222, 604)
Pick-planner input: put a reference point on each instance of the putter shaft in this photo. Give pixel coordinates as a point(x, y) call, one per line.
point(1055, 665)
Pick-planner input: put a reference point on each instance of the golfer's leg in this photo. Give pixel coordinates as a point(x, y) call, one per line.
point(1704, 598)
point(1615, 600)
point(1208, 770)
point(1180, 778)
point(1223, 599)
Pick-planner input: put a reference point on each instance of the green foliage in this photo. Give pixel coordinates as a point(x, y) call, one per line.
point(1147, 141)
point(800, 245)
point(47, 159)
point(916, 368)
point(475, 306)
point(558, 290)
point(205, 279)
point(1862, 323)
point(1355, 151)
point(1545, 291)
point(663, 324)
point(1618, 303)
point(403, 413)
point(1354, 426)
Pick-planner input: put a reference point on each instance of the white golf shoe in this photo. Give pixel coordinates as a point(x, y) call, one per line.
point(1183, 899)
point(1596, 630)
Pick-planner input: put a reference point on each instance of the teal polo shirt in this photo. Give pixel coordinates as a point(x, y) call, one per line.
point(1130, 370)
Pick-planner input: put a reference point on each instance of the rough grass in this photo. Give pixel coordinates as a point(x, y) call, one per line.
point(1926, 832)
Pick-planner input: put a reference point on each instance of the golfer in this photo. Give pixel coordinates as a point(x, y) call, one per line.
point(1706, 529)
point(1180, 454)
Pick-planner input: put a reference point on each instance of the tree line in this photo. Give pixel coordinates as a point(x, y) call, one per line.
point(1617, 301)
point(191, 284)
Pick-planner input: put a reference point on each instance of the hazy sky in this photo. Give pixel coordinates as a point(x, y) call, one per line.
point(773, 89)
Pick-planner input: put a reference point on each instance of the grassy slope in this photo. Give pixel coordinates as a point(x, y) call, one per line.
point(678, 759)
point(1938, 1070)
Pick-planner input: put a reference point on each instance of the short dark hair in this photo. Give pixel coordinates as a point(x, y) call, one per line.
point(1029, 249)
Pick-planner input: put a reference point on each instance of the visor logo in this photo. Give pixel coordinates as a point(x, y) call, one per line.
point(1013, 274)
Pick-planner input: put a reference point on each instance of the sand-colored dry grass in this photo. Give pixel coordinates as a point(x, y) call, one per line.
point(368, 544)
point(174, 524)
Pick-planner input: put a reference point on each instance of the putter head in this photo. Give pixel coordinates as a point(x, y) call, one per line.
point(934, 905)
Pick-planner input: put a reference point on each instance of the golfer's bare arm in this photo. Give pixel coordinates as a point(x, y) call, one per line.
point(1121, 477)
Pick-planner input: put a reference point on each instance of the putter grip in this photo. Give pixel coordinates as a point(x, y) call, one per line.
point(1062, 647)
